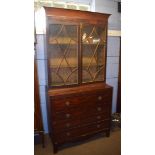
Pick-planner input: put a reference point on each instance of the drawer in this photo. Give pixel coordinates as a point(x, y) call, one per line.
point(64, 103)
point(60, 104)
point(83, 120)
point(96, 108)
point(68, 114)
point(80, 132)
point(81, 112)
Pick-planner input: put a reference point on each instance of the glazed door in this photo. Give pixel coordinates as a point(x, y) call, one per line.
point(63, 54)
point(93, 53)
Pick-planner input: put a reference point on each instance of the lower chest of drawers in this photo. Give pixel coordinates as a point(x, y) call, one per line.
point(79, 115)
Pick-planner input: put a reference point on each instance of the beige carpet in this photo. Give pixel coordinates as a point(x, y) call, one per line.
point(97, 146)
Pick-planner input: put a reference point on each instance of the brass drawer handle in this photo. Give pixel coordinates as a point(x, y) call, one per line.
point(68, 125)
point(99, 98)
point(67, 115)
point(67, 103)
point(68, 134)
point(99, 108)
point(98, 126)
point(98, 117)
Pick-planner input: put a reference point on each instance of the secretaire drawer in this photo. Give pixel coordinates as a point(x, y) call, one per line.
point(85, 100)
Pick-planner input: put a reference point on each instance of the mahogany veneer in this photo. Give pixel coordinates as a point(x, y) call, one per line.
point(79, 100)
point(79, 112)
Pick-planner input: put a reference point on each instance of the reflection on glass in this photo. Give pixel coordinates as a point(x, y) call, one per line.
point(93, 56)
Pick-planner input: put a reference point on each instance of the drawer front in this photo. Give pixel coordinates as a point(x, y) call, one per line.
point(68, 114)
point(64, 103)
point(69, 135)
point(81, 113)
point(65, 125)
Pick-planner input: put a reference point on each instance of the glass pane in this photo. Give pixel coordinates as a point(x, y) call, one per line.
point(63, 56)
point(93, 56)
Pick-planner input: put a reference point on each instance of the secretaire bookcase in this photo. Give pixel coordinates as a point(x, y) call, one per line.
point(79, 100)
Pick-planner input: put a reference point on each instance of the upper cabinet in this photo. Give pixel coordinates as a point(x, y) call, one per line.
point(76, 45)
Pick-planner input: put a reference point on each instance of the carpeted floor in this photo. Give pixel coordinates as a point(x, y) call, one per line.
point(97, 146)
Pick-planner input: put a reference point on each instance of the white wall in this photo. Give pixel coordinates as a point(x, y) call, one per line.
point(109, 6)
point(42, 75)
point(113, 67)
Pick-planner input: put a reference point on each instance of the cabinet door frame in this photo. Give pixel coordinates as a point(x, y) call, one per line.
point(97, 24)
point(63, 21)
point(79, 23)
